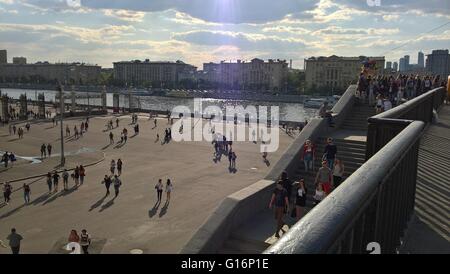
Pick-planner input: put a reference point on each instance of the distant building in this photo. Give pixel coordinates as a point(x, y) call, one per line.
point(254, 75)
point(402, 66)
point(388, 65)
point(395, 66)
point(160, 73)
point(3, 56)
point(438, 63)
point(19, 60)
point(334, 72)
point(45, 72)
point(420, 59)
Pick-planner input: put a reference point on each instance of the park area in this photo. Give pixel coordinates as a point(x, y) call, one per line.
point(131, 221)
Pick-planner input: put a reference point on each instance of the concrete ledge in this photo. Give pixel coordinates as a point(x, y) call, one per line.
point(233, 211)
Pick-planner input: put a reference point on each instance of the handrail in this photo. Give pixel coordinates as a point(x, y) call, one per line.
point(376, 201)
point(326, 222)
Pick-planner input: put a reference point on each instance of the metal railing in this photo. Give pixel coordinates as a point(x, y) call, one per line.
point(375, 203)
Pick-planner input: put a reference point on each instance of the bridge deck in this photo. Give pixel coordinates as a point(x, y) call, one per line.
point(430, 227)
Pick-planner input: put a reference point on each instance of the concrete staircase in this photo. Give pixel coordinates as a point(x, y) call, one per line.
point(351, 152)
point(357, 119)
point(256, 235)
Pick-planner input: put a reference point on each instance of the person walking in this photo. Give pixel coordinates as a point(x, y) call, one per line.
point(43, 151)
point(279, 199)
point(300, 199)
point(7, 190)
point(14, 241)
point(82, 174)
point(338, 172)
point(85, 241)
point(119, 167)
point(320, 194)
point(159, 189)
point(111, 138)
point(76, 175)
point(117, 122)
point(67, 131)
point(308, 155)
point(55, 181)
point(49, 182)
point(233, 160)
point(169, 188)
point(286, 183)
point(73, 237)
point(26, 193)
point(65, 176)
point(113, 167)
point(49, 149)
point(107, 181)
point(330, 152)
point(5, 158)
point(324, 177)
point(117, 183)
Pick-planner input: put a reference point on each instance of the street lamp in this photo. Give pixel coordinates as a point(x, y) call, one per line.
point(61, 113)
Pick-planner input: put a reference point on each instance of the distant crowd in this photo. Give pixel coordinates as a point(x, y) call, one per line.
point(386, 91)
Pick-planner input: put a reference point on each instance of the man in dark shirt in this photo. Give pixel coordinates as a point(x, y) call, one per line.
point(14, 241)
point(286, 183)
point(330, 152)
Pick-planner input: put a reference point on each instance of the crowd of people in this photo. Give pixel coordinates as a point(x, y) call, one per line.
point(328, 177)
point(386, 91)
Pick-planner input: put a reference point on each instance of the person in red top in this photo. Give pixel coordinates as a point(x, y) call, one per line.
point(308, 155)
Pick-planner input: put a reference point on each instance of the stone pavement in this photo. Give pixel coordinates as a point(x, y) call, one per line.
point(130, 221)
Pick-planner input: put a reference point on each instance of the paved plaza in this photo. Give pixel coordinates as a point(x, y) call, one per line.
point(130, 221)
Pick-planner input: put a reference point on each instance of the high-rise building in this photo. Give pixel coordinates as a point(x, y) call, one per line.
point(395, 66)
point(19, 60)
point(402, 64)
point(420, 60)
point(389, 65)
point(256, 74)
point(438, 63)
point(155, 73)
point(407, 59)
point(3, 56)
point(334, 72)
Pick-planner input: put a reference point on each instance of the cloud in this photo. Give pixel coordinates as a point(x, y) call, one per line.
point(244, 41)
point(125, 15)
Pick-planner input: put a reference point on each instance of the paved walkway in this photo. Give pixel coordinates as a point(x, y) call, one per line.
point(131, 221)
point(429, 231)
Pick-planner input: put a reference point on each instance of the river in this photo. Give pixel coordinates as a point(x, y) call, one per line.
point(294, 112)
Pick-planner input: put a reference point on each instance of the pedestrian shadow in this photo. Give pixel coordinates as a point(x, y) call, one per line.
point(154, 210)
point(98, 203)
point(136, 134)
point(119, 145)
point(107, 205)
point(7, 214)
point(164, 209)
point(49, 127)
point(13, 140)
point(105, 147)
point(267, 162)
point(69, 191)
point(40, 199)
point(232, 169)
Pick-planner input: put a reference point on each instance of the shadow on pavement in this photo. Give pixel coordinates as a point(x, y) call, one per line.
point(164, 209)
point(154, 210)
point(98, 203)
point(107, 205)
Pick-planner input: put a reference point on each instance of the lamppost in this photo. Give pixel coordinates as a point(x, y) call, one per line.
point(61, 114)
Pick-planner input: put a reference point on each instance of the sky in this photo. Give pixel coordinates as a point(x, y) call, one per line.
point(198, 31)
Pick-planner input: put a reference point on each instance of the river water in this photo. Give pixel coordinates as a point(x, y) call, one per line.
point(288, 111)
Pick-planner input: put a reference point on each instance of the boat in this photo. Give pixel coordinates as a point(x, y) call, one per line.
point(314, 102)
